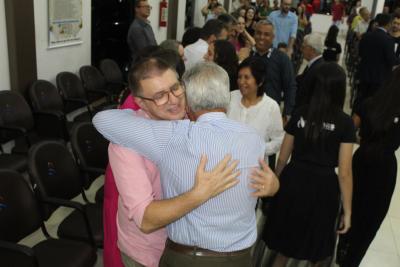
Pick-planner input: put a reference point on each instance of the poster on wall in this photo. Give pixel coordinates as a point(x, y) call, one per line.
point(65, 22)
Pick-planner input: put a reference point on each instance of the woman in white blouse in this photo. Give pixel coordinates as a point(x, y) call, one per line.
point(252, 106)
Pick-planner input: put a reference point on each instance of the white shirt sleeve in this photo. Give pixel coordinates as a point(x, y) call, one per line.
point(274, 131)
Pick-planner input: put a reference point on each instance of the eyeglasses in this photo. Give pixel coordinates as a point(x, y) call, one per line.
point(148, 6)
point(161, 98)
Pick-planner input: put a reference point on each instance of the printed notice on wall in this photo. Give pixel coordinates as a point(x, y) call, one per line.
point(65, 22)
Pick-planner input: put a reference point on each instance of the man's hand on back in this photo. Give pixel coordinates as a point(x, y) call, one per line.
point(264, 181)
point(220, 178)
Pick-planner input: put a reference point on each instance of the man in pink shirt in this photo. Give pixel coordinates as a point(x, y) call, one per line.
point(142, 213)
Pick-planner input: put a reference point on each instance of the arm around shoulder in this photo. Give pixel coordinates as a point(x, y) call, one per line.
point(126, 128)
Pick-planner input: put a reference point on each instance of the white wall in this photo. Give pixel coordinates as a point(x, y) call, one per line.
point(321, 23)
point(180, 20)
point(69, 58)
point(370, 3)
point(4, 67)
point(160, 33)
point(379, 6)
point(198, 19)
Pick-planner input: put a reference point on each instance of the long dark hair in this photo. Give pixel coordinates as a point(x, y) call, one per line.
point(247, 10)
point(241, 37)
point(331, 37)
point(225, 56)
point(327, 99)
point(384, 106)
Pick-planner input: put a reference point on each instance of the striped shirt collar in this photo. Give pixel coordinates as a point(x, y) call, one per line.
point(211, 116)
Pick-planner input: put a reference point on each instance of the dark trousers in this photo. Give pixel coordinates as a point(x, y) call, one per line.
point(172, 258)
point(374, 183)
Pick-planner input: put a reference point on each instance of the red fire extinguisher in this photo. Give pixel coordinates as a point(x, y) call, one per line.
point(163, 13)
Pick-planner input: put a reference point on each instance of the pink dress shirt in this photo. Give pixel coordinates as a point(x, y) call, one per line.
point(111, 253)
point(138, 184)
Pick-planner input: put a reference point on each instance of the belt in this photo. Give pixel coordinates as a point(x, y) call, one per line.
point(201, 252)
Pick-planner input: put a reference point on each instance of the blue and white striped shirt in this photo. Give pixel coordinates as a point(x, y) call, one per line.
point(224, 223)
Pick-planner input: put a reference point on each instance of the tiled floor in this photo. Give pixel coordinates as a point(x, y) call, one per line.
point(59, 215)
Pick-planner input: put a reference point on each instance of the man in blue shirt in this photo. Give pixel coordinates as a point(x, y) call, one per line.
point(285, 23)
point(221, 231)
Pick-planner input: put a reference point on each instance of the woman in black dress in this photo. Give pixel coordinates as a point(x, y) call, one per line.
point(332, 48)
point(374, 168)
point(319, 137)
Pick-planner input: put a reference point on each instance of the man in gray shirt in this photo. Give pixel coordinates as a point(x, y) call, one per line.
point(140, 33)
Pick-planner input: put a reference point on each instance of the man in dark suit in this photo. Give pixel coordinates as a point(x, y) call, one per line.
point(377, 55)
point(312, 52)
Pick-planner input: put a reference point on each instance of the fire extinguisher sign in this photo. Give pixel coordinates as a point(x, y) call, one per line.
point(163, 13)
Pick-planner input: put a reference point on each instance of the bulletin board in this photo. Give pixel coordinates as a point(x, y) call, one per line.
point(65, 22)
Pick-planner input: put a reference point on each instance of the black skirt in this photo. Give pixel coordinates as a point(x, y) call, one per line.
point(301, 221)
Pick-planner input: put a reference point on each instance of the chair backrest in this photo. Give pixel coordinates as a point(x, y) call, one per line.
point(90, 147)
point(19, 213)
point(92, 78)
point(45, 96)
point(111, 71)
point(15, 111)
point(70, 86)
point(54, 170)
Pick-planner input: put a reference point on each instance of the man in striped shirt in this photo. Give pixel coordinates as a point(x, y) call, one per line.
point(221, 230)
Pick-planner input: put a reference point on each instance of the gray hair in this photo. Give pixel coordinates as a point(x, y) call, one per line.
point(314, 40)
point(170, 44)
point(207, 87)
point(267, 23)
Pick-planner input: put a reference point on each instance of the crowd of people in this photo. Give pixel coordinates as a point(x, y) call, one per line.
point(193, 145)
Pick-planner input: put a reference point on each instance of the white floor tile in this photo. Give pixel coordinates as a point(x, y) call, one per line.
point(384, 240)
point(380, 259)
point(99, 262)
point(394, 209)
point(59, 215)
point(396, 232)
